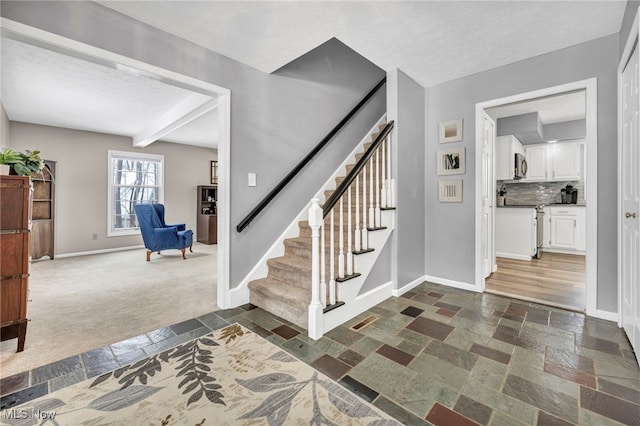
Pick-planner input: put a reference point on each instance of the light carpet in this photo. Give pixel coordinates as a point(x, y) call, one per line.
point(86, 302)
point(231, 376)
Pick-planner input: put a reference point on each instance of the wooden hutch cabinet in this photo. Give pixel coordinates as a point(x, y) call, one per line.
point(15, 215)
point(42, 229)
point(207, 231)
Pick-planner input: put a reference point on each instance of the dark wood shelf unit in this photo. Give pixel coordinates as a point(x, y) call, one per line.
point(15, 214)
point(43, 212)
point(207, 232)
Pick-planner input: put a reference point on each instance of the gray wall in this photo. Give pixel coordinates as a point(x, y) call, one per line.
point(451, 229)
point(275, 119)
point(81, 182)
point(5, 125)
point(627, 21)
point(410, 198)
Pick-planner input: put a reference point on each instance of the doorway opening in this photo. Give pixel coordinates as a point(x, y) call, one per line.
point(202, 100)
point(536, 196)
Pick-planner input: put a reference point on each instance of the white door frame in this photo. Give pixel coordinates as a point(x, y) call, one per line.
point(632, 39)
point(90, 53)
point(590, 85)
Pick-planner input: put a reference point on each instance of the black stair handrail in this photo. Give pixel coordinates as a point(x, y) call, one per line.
point(289, 177)
point(346, 183)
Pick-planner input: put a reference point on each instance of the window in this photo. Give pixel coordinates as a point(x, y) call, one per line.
point(133, 179)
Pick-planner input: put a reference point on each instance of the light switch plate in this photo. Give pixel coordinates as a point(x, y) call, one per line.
point(252, 179)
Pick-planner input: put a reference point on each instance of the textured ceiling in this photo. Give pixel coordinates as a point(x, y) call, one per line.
point(432, 41)
point(48, 88)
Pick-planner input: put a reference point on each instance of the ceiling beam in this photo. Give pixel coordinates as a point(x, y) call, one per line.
point(189, 109)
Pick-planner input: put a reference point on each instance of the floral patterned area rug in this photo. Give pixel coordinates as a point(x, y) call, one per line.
point(229, 377)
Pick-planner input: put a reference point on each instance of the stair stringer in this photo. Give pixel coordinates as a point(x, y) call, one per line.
point(240, 294)
point(348, 291)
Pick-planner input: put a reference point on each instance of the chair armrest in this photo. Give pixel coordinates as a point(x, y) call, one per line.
point(165, 236)
point(179, 226)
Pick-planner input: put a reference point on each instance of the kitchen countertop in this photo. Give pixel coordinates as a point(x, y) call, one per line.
point(533, 206)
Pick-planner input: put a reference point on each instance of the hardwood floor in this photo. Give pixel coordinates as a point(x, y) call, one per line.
point(555, 279)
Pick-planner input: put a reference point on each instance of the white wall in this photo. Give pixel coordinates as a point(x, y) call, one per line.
point(5, 125)
point(81, 182)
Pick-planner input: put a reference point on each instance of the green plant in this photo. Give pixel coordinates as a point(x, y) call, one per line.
point(28, 163)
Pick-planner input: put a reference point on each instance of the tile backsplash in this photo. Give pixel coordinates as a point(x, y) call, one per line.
point(538, 192)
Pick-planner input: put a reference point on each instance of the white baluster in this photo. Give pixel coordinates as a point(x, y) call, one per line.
point(341, 239)
point(349, 230)
point(357, 231)
point(315, 307)
point(391, 196)
point(383, 189)
point(365, 231)
point(378, 187)
point(372, 211)
point(323, 268)
point(332, 264)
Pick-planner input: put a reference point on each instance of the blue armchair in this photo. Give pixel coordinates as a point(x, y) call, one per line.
point(157, 235)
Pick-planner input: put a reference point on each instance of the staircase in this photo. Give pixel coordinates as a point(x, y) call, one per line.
point(351, 228)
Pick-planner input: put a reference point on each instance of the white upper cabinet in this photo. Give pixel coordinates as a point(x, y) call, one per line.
point(565, 161)
point(506, 149)
point(538, 162)
point(554, 162)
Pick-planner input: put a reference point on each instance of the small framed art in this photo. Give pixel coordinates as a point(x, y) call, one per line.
point(450, 191)
point(451, 161)
point(450, 131)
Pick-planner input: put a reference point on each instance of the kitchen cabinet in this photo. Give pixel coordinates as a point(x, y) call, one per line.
point(537, 162)
point(560, 161)
point(565, 161)
point(506, 149)
point(565, 229)
point(516, 232)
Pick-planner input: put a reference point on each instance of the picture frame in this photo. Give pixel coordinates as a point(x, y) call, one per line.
point(450, 131)
point(214, 172)
point(451, 161)
point(450, 191)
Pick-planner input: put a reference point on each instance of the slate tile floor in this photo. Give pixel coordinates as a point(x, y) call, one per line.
point(436, 355)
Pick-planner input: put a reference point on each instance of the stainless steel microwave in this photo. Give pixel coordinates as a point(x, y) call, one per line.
point(520, 171)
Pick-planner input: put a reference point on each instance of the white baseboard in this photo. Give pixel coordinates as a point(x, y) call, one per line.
point(451, 283)
point(514, 256)
point(556, 250)
point(606, 315)
point(238, 296)
point(102, 251)
point(413, 284)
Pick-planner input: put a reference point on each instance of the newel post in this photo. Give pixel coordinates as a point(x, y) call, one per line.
point(315, 308)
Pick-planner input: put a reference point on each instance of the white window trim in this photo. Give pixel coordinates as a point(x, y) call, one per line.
point(132, 155)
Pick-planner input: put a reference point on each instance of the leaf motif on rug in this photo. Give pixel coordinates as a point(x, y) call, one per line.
point(121, 398)
point(344, 401)
point(268, 382)
point(195, 370)
point(282, 357)
point(231, 333)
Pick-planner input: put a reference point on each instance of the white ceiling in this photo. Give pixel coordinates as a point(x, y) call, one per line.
point(49, 88)
point(551, 109)
point(432, 41)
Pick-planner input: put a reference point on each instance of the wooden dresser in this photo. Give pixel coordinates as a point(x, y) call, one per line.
point(15, 215)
